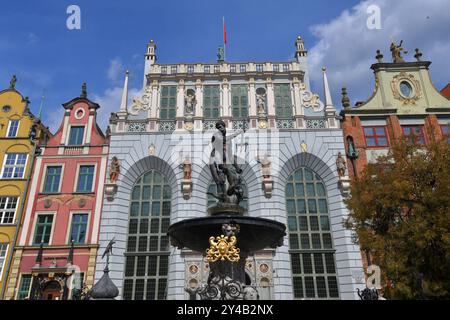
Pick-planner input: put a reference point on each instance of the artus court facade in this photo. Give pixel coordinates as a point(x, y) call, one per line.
point(289, 153)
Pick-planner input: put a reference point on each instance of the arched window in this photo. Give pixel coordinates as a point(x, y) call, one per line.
point(212, 188)
point(310, 243)
point(147, 251)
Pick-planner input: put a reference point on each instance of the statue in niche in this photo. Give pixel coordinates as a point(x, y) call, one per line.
point(114, 170)
point(189, 102)
point(396, 51)
point(224, 167)
point(261, 101)
point(341, 165)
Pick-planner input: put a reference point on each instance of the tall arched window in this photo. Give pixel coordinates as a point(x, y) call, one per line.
point(147, 251)
point(212, 188)
point(310, 244)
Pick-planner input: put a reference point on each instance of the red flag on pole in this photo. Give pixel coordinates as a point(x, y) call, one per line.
point(224, 32)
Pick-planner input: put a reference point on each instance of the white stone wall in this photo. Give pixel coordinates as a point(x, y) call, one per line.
point(323, 147)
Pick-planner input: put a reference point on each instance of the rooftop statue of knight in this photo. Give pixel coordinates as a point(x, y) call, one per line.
point(223, 165)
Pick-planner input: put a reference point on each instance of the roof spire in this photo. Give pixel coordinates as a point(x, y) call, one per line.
point(124, 101)
point(41, 105)
point(83, 91)
point(326, 88)
point(345, 98)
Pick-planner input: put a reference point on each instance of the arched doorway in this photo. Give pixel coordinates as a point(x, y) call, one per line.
point(310, 242)
point(52, 291)
point(147, 251)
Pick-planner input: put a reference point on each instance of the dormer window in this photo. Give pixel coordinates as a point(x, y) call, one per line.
point(13, 128)
point(76, 136)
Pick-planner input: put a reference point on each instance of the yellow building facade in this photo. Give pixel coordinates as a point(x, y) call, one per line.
point(20, 132)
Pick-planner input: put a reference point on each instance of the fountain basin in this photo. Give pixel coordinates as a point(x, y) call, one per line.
point(255, 233)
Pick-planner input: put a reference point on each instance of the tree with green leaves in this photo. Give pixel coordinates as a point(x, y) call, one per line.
point(400, 212)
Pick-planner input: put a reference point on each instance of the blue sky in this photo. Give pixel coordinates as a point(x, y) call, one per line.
point(36, 45)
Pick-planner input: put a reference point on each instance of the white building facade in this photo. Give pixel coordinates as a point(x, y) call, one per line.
point(288, 155)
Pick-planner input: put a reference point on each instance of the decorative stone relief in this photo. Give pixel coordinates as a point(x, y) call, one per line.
point(315, 124)
point(267, 183)
point(141, 103)
point(310, 100)
point(136, 127)
point(344, 180)
point(416, 93)
point(186, 182)
point(114, 171)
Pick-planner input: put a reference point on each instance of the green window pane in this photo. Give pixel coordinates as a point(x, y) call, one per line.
point(324, 223)
point(293, 241)
point(314, 223)
point(156, 208)
point(320, 189)
point(312, 207)
point(134, 209)
point(307, 263)
point(157, 192)
point(136, 194)
point(146, 192)
point(304, 238)
point(290, 206)
point(298, 287)
point(315, 239)
point(289, 190)
point(310, 192)
point(299, 190)
point(301, 206)
point(292, 223)
point(321, 287)
point(309, 176)
point(318, 263)
point(323, 206)
point(145, 208)
point(133, 226)
point(303, 221)
point(143, 226)
point(296, 264)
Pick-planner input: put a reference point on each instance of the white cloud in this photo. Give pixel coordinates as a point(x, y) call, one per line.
point(347, 47)
point(115, 70)
point(109, 101)
point(32, 38)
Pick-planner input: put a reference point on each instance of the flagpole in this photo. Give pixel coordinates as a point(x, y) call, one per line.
point(223, 39)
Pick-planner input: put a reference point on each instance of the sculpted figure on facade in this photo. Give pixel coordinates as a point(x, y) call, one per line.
point(341, 165)
point(189, 102)
point(223, 165)
point(396, 51)
point(114, 170)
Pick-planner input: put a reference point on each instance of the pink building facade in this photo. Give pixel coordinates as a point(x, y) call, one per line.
point(57, 247)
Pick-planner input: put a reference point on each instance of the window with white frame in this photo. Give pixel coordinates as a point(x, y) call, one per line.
point(13, 128)
point(190, 69)
point(43, 229)
point(259, 67)
point(24, 287)
point(8, 208)
point(242, 68)
point(14, 165)
point(285, 67)
point(78, 228)
point(276, 67)
point(3, 251)
point(76, 135)
point(85, 178)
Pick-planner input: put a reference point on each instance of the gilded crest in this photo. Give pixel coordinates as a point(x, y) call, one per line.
point(222, 248)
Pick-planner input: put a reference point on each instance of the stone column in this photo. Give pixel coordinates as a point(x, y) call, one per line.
point(199, 106)
point(270, 103)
